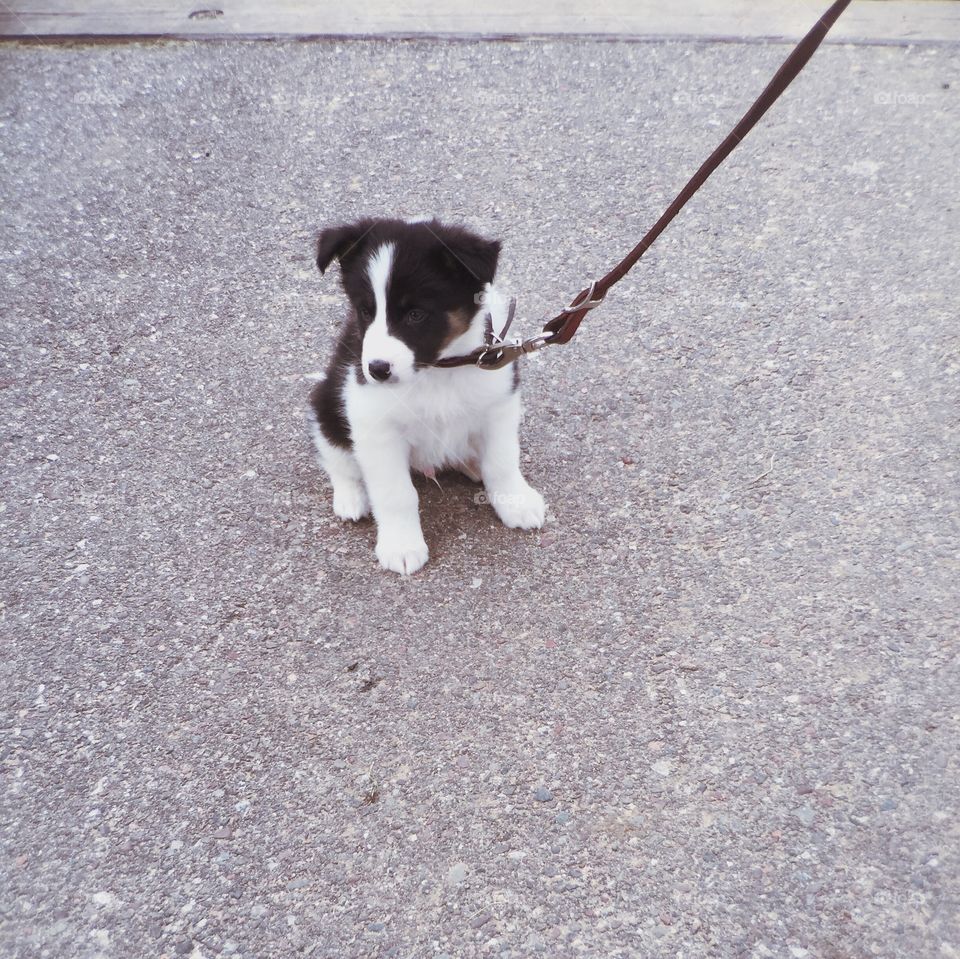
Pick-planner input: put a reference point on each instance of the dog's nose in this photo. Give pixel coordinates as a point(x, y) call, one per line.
point(379, 369)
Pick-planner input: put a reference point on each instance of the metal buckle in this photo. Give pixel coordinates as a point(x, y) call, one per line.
point(588, 304)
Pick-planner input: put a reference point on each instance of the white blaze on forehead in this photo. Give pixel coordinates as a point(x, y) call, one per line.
point(378, 270)
point(378, 344)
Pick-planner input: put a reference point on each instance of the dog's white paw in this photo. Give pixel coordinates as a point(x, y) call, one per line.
point(403, 554)
point(350, 501)
point(520, 508)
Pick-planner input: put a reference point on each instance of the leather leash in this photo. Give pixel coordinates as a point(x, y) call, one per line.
point(496, 353)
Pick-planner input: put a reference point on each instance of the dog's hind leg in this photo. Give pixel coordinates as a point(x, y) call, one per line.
point(349, 494)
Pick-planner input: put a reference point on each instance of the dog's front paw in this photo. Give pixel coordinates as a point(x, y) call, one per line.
point(520, 508)
point(403, 553)
point(350, 501)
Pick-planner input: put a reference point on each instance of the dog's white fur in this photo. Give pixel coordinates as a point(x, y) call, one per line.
point(428, 420)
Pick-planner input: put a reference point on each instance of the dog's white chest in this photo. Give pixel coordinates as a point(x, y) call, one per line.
point(439, 415)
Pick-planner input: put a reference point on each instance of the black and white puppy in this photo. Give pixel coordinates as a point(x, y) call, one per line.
point(418, 291)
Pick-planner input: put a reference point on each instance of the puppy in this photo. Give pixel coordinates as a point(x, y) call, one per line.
point(418, 291)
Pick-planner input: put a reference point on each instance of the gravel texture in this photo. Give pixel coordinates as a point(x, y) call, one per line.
point(712, 710)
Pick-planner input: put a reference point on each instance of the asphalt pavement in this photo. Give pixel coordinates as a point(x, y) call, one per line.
point(710, 711)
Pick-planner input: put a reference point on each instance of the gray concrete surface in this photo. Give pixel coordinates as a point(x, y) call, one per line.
point(710, 711)
point(869, 21)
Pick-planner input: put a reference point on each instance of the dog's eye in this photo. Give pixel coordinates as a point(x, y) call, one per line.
point(416, 316)
point(365, 314)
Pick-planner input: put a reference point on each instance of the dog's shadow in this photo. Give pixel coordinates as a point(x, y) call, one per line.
point(453, 507)
point(449, 492)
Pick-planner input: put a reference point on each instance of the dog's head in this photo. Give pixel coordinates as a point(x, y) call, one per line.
point(414, 288)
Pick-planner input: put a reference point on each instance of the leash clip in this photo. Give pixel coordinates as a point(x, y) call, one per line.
point(499, 351)
point(498, 355)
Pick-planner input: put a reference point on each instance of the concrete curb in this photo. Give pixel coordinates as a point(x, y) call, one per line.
point(893, 21)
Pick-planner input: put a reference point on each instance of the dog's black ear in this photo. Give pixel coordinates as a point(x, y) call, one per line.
point(340, 242)
point(469, 253)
